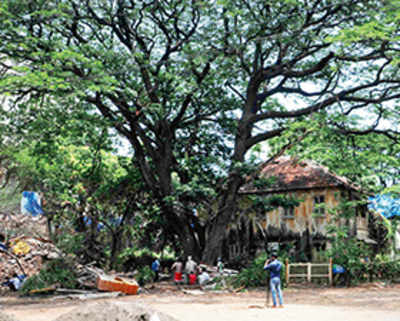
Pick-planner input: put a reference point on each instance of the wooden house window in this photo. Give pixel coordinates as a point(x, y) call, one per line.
point(319, 205)
point(288, 212)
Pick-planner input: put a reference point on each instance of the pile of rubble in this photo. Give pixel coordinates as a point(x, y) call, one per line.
point(24, 245)
point(13, 225)
point(25, 255)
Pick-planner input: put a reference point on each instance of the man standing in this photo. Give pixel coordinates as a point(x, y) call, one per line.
point(220, 266)
point(177, 267)
point(190, 266)
point(274, 266)
point(155, 266)
point(190, 270)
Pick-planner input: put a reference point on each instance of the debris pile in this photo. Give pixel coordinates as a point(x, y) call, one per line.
point(88, 275)
point(13, 225)
point(25, 255)
point(213, 270)
point(24, 245)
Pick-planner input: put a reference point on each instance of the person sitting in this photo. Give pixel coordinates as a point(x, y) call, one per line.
point(204, 277)
point(16, 282)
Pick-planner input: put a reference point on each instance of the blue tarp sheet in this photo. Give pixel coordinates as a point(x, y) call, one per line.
point(30, 203)
point(385, 204)
point(338, 269)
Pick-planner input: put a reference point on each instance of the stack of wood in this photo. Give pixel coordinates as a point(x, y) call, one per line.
point(88, 275)
point(213, 270)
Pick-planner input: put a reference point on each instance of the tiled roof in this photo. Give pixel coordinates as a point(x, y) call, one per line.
point(293, 174)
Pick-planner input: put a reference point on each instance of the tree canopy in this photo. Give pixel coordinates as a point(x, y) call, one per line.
point(195, 85)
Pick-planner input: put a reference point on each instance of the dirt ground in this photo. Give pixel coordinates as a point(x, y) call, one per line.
point(371, 302)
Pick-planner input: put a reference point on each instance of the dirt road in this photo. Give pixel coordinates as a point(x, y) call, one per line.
point(373, 302)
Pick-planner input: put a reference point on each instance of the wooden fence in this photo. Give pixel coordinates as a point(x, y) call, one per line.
point(309, 271)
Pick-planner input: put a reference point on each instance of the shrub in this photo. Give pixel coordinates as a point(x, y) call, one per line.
point(59, 271)
point(349, 254)
point(144, 275)
point(254, 275)
point(70, 243)
point(383, 268)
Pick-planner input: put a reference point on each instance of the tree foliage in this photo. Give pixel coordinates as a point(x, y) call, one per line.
point(194, 85)
point(370, 161)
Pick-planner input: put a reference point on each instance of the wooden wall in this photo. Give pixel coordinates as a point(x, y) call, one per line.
point(307, 228)
point(304, 219)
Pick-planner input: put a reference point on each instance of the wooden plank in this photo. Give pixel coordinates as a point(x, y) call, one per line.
point(287, 271)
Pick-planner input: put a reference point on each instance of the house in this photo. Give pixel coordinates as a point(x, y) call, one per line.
point(302, 228)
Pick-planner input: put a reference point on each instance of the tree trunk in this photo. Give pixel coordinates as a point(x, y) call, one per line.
point(184, 234)
point(49, 226)
point(188, 242)
point(116, 242)
point(217, 229)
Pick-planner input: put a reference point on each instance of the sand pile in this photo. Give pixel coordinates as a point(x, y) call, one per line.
point(6, 317)
point(107, 311)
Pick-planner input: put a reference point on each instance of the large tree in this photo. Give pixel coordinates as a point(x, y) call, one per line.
point(138, 65)
point(325, 58)
point(159, 71)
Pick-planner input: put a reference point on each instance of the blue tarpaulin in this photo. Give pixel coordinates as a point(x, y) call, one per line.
point(30, 203)
point(338, 269)
point(385, 204)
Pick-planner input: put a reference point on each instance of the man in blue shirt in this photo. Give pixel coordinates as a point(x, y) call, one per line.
point(274, 266)
point(155, 266)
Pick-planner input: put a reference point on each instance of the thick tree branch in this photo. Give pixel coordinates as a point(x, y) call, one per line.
point(263, 137)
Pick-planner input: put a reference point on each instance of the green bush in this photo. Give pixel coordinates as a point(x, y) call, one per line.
point(145, 275)
point(254, 275)
point(383, 268)
point(354, 257)
point(348, 253)
point(56, 272)
point(70, 243)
